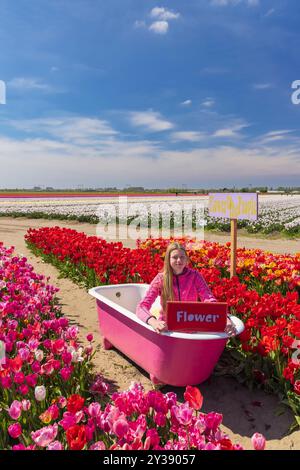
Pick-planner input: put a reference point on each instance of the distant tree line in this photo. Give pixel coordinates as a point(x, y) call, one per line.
point(141, 189)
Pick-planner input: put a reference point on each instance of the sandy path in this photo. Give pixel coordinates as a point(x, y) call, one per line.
point(244, 412)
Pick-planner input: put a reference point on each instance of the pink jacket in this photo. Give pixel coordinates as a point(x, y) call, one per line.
point(189, 285)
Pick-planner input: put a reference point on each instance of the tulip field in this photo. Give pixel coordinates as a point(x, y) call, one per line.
point(264, 294)
point(51, 398)
point(277, 213)
point(48, 396)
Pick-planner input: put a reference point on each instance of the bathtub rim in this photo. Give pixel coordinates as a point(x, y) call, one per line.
point(239, 325)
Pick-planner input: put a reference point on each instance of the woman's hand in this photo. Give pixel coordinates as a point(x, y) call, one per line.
point(157, 325)
point(230, 328)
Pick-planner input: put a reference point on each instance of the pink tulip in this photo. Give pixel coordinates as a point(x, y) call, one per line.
point(99, 386)
point(65, 373)
point(19, 378)
point(171, 399)
point(213, 420)
point(26, 405)
point(24, 354)
point(31, 380)
point(23, 389)
point(45, 435)
point(89, 430)
point(47, 368)
point(258, 441)
point(58, 346)
point(211, 446)
point(56, 364)
point(160, 419)
point(62, 402)
point(55, 445)
point(19, 447)
point(68, 420)
point(79, 416)
point(15, 410)
point(120, 427)
point(6, 382)
point(90, 337)
point(66, 357)
point(94, 410)
point(200, 426)
point(154, 437)
point(47, 343)
point(183, 414)
point(99, 445)
point(15, 430)
point(36, 367)
point(72, 332)
point(33, 344)
point(12, 324)
point(238, 447)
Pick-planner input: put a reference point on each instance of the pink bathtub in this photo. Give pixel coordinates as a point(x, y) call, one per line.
point(172, 358)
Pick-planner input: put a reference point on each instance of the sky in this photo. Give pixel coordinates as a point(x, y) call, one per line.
point(165, 94)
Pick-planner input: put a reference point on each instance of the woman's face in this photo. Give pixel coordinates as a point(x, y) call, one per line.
point(178, 261)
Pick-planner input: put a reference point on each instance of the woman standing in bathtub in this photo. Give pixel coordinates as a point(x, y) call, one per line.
point(176, 282)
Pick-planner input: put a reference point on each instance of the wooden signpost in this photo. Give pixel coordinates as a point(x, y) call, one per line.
point(233, 206)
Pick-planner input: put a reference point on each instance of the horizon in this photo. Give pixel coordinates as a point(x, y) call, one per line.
point(132, 93)
point(37, 189)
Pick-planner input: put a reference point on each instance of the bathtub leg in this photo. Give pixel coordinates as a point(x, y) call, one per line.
point(106, 344)
point(156, 382)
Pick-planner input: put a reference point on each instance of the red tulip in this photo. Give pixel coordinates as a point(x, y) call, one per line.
point(194, 397)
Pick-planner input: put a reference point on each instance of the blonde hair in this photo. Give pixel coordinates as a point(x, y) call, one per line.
point(167, 287)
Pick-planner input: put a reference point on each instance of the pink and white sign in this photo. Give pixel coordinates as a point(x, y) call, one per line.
point(233, 205)
point(196, 316)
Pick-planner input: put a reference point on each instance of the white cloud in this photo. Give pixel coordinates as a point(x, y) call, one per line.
point(80, 131)
point(224, 2)
point(163, 14)
point(283, 131)
point(159, 27)
point(150, 120)
point(230, 131)
point(189, 136)
point(262, 86)
point(88, 150)
point(64, 164)
point(250, 3)
point(273, 136)
point(208, 102)
point(186, 103)
point(22, 83)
